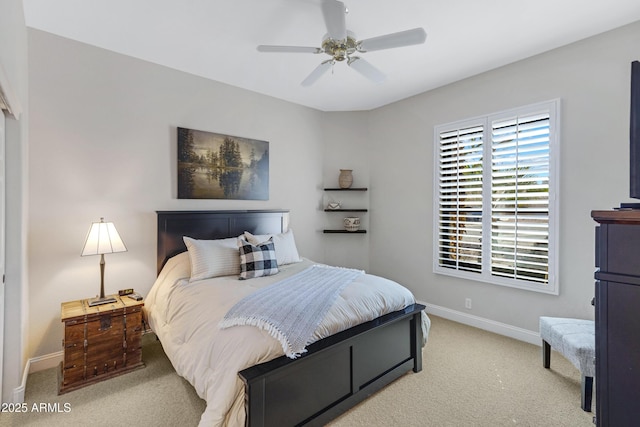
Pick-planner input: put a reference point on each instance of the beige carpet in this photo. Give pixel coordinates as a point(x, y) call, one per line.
point(470, 378)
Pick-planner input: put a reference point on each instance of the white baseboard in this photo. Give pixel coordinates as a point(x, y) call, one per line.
point(18, 392)
point(47, 361)
point(510, 331)
point(36, 364)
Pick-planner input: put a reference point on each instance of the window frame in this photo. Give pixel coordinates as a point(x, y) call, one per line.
point(552, 107)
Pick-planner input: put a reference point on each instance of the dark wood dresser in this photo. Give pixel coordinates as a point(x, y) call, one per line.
point(617, 305)
point(100, 342)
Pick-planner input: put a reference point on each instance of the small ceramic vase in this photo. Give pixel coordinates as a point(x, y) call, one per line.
point(346, 178)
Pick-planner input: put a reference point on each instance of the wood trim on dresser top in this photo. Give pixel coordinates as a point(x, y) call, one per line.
point(618, 216)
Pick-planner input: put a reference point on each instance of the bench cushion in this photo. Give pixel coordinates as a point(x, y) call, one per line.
point(574, 339)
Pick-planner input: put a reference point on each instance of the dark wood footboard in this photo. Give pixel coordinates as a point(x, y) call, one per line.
point(336, 373)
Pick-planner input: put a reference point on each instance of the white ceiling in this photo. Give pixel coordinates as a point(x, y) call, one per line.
point(217, 39)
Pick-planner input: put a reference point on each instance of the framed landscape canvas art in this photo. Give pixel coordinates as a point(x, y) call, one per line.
point(217, 166)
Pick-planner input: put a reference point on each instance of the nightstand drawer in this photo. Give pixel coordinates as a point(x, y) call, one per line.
point(133, 309)
point(133, 321)
point(104, 348)
point(133, 332)
point(100, 364)
point(105, 329)
point(74, 355)
point(133, 342)
point(133, 356)
point(72, 374)
point(74, 334)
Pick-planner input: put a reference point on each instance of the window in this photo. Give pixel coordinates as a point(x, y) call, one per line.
point(496, 204)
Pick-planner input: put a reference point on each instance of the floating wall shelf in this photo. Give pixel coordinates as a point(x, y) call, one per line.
point(346, 189)
point(343, 231)
point(346, 210)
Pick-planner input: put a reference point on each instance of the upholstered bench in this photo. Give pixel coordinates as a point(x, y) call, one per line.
point(575, 340)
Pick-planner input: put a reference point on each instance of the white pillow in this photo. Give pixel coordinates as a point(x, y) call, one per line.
point(285, 245)
point(178, 266)
point(213, 258)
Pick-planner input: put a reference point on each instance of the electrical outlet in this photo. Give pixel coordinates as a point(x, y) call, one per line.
point(467, 303)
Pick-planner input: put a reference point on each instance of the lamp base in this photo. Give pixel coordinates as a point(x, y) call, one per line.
point(99, 301)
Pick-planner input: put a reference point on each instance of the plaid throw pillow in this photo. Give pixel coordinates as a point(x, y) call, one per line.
point(257, 260)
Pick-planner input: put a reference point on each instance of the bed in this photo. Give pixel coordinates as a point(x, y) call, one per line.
point(259, 385)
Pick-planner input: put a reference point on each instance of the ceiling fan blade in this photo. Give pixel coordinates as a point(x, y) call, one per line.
point(366, 69)
point(289, 49)
point(317, 73)
point(334, 13)
point(388, 41)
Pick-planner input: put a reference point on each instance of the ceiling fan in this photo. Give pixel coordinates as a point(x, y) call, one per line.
point(342, 45)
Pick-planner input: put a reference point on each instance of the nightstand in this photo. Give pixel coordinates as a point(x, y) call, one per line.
point(100, 342)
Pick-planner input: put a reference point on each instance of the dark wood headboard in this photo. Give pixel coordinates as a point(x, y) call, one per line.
point(209, 225)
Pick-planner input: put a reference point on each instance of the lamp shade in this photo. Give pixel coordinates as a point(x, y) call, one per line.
point(103, 238)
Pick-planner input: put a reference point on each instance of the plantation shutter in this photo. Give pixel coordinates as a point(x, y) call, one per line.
point(460, 199)
point(496, 198)
point(520, 198)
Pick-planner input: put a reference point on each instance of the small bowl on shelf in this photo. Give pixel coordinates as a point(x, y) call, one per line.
point(351, 223)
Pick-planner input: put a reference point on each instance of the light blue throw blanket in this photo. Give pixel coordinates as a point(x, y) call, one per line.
point(292, 309)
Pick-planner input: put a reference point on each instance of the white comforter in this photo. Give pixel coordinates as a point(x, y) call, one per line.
point(185, 317)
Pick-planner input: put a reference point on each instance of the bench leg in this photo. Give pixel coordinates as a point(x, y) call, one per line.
point(586, 393)
point(546, 354)
point(586, 388)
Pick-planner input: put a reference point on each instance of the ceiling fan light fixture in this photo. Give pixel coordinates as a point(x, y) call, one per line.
point(340, 50)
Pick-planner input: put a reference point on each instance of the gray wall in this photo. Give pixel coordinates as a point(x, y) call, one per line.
point(103, 144)
point(591, 78)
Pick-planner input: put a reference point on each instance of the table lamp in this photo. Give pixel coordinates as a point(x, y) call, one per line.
point(103, 238)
